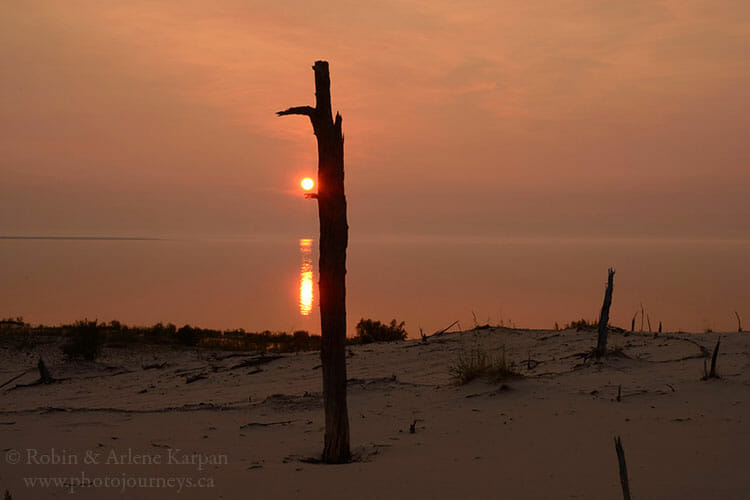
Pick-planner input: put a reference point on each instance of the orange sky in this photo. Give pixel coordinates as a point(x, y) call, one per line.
point(573, 117)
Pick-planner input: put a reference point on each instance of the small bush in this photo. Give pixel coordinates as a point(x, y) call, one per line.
point(374, 331)
point(188, 336)
point(478, 363)
point(301, 340)
point(85, 342)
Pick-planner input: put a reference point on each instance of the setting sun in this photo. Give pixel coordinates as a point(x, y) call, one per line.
point(307, 184)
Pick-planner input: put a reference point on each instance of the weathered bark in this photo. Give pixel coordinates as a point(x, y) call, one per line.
point(623, 469)
point(333, 243)
point(601, 344)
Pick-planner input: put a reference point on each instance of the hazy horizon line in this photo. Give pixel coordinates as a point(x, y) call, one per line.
point(392, 236)
point(86, 238)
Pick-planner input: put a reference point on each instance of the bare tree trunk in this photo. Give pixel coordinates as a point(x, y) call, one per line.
point(333, 243)
point(601, 344)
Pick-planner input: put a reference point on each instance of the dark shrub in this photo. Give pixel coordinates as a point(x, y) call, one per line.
point(189, 336)
point(374, 331)
point(85, 342)
point(301, 340)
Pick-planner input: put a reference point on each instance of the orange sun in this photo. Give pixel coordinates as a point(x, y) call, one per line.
point(307, 184)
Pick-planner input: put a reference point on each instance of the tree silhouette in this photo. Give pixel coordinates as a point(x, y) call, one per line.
point(332, 268)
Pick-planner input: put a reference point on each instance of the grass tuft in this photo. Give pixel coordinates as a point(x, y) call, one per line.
point(478, 363)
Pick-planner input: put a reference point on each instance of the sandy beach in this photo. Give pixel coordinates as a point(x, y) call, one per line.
point(154, 422)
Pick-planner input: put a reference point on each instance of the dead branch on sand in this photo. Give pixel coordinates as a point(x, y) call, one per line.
point(623, 469)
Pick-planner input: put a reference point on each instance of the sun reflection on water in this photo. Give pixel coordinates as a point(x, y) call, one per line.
point(306, 294)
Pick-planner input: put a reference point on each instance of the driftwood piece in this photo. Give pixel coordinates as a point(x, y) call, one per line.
point(623, 469)
point(601, 344)
point(154, 366)
point(195, 378)
point(254, 362)
point(440, 332)
point(265, 424)
point(16, 377)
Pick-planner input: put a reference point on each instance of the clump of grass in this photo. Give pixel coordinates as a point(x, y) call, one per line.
point(478, 363)
point(582, 324)
point(85, 341)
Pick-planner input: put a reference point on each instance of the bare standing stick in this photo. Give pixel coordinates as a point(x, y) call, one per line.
point(712, 373)
point(623, 469)
point(44, 375)
point(601, 344)
point(642, 313)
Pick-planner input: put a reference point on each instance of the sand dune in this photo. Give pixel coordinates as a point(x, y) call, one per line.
point(245, 426)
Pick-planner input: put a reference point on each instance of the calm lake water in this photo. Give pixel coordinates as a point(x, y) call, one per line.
point(429, 282)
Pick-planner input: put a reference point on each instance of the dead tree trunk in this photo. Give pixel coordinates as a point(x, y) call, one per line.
point(601, 344)
point(333, 243)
